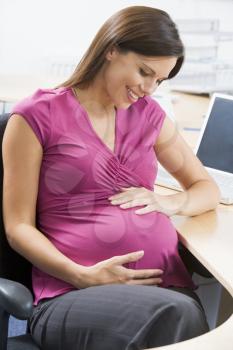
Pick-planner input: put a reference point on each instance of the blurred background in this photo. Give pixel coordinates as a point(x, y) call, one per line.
point(45, 40)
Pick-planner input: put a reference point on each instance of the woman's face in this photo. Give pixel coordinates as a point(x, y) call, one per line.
point(130, 76)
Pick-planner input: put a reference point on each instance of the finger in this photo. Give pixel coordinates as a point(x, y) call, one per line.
point(116, 196)
point(121, 199)
point(148, 209)
point(148, 281)
point(122, 259)
point(145, 273)
point(134, 203)
point(126, 188)
point(132, 193)
point(122, 192)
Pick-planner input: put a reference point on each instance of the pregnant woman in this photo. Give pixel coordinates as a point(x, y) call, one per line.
point(81, 204)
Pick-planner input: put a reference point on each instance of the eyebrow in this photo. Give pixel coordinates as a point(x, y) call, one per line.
point(152, 70)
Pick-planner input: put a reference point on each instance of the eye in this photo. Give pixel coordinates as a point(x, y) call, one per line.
point(159, 81)
point(143, 73)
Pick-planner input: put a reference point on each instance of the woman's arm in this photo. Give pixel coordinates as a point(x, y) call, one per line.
point(200, 191)
point(22, 156)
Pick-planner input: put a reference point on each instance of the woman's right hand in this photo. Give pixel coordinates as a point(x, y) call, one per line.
point(111, 271)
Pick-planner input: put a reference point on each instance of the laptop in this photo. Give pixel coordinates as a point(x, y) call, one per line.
point(214, 148)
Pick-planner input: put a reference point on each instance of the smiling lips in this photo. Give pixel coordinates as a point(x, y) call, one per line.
point(131, 95)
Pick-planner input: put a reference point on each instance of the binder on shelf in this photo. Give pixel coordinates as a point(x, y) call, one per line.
point(203, 71)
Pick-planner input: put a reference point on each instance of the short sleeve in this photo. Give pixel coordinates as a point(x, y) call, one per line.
point(35, 110)
point(155, 114)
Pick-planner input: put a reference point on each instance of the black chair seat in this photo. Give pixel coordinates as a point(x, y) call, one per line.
point(22, 342)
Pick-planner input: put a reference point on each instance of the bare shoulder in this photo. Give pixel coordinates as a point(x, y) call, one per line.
point(22, 155)
point(18, 128)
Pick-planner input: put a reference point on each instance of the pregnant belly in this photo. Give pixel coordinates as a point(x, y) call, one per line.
point(111, 231)
point(126, 232)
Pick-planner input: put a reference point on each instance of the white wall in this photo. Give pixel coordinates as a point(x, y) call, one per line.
point(31, 31)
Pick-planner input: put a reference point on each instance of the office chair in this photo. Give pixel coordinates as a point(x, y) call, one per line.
point(16, 285)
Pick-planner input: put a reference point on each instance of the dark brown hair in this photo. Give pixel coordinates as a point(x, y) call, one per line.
point(143, 30)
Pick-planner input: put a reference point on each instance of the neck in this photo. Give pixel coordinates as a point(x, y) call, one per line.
point(95, 98)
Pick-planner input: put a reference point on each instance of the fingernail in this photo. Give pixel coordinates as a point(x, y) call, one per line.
point(140, 252)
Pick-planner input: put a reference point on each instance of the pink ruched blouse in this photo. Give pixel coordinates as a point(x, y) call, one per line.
point(78, 174)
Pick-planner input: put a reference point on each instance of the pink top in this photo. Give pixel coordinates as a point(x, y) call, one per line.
point(78, 174)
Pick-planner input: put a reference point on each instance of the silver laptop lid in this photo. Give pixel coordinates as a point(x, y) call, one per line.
point(215, 144)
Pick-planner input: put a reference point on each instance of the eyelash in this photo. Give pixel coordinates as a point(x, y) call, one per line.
point(144, 74)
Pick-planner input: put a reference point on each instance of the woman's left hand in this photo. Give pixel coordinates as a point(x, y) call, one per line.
point(137, 196)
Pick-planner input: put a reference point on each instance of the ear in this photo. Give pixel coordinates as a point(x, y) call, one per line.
point(112, 53)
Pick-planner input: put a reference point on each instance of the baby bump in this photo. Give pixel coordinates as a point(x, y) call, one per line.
point(115, 231)
point(112, 231)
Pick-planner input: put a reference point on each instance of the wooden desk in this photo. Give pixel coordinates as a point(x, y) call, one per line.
point(207, 236)
point(190, 111)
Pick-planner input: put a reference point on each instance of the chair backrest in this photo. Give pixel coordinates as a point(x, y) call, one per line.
point(12, 265)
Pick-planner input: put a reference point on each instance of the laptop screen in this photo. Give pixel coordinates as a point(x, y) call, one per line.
point(216, 146)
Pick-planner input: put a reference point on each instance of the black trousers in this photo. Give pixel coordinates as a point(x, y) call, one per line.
point(118, 317)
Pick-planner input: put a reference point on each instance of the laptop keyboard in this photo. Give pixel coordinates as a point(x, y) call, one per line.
point(224, 182)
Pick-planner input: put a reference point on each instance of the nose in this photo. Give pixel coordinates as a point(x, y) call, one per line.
point(149, 86)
